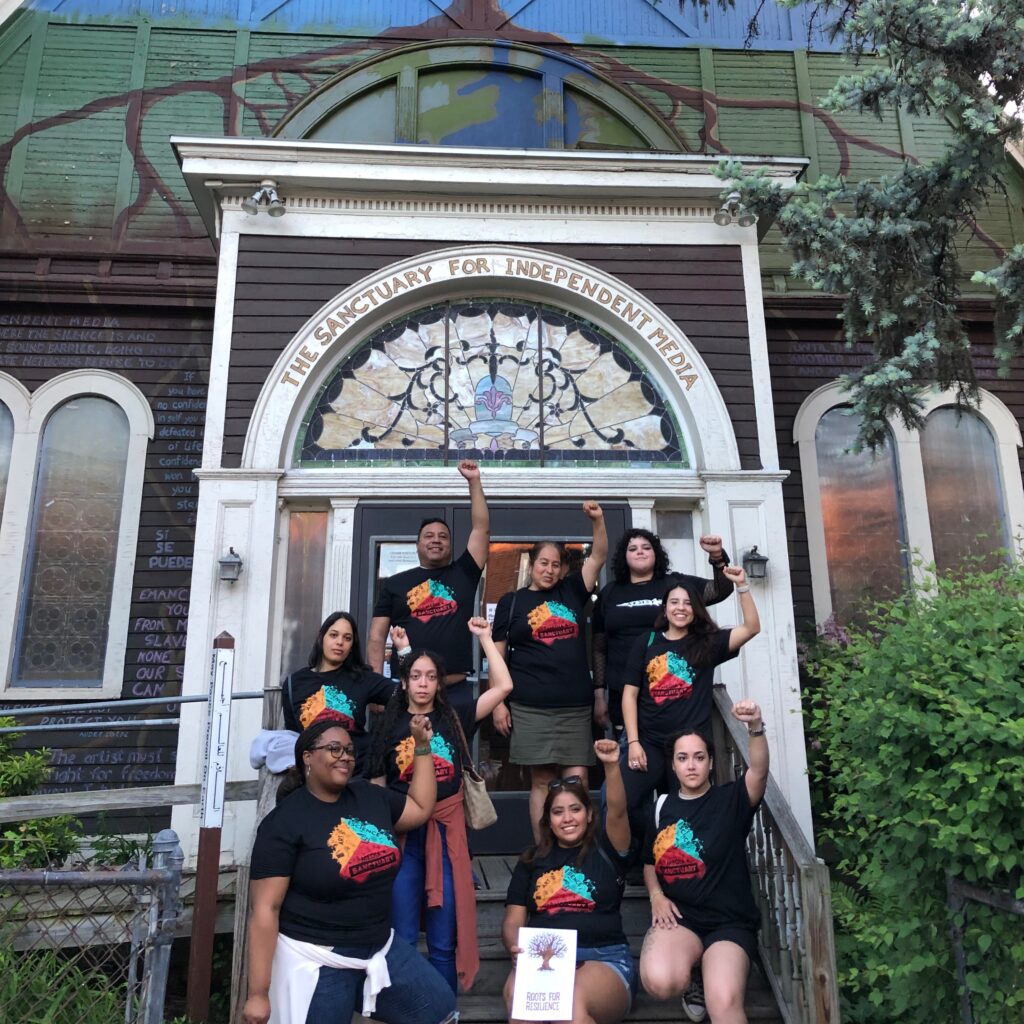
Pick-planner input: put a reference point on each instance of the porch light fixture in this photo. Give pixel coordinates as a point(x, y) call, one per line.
point(733, 210)
point(231, 566)
point(755, 565)
point(265, 195)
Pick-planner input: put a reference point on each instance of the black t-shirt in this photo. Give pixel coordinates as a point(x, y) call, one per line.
point(340, 858)
point(625, 611)
point(697, 849)
point(558, 894)
point(548, 642)
point(339, 695)
point(445, 747)
point(674, 694)
point(433, 606)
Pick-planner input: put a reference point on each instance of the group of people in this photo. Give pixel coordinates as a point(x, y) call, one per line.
point(368, 840)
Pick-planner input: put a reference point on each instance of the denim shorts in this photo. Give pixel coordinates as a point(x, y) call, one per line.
point(618, 958)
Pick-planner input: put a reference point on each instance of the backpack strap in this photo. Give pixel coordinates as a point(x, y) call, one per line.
point(620, 879)
point(659, 803)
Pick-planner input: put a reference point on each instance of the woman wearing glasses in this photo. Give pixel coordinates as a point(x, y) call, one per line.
point(435, 882)
point(323, 867)
point(574, 878)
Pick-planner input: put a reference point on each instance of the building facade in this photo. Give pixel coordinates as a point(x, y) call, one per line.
point(497, 240)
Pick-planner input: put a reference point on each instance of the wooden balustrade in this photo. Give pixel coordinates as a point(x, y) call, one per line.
point(791, 885)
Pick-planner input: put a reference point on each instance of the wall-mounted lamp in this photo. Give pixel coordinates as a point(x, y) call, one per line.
point(230, 566)
point(755, 565)
point(266, 195)
point(733, 210)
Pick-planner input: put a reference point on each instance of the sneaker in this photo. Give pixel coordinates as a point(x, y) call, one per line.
point(693, 1001)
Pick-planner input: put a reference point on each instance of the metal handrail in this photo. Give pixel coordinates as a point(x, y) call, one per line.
point(791, 885)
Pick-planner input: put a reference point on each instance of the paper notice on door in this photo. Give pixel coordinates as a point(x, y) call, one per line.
point(545, 974)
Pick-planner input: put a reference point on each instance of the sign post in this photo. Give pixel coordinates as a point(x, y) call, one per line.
point(218, 724)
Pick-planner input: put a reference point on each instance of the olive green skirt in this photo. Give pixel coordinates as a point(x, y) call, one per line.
point(562, 736)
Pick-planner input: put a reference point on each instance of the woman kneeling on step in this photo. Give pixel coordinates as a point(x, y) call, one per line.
point(695, 870)
point(573, 841)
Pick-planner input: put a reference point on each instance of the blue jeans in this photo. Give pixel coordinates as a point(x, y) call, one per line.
point(407, 905)
point(417, 993)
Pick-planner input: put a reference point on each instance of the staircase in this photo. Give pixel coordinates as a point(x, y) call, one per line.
point(484, 1005)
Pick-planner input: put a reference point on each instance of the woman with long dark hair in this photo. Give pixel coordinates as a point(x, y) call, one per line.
point(695, 870)
point(574, 878)
point(323, 867)
point(435, 882)
point(336, 685)
point(627, 606)
point(542, 625)
point(668, 685)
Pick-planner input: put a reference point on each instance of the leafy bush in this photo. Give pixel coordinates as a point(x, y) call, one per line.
point(917, 736)
point(43, 842)
point(44, 987)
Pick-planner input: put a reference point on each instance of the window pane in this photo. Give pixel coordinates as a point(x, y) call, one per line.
point(304, 588)
point(76, 516)
point(961, 479)
point(6, 443)
point(860, 504)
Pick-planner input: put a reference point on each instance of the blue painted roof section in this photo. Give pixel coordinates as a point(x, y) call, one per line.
point(663, 23)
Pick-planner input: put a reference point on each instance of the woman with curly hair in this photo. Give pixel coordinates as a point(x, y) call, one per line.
point(435, 881)
point(628, 605)
point(668, 684)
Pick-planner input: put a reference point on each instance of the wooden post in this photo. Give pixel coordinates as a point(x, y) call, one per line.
point(218, 724)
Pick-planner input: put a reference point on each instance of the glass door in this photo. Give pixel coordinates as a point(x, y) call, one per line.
point(385, 538)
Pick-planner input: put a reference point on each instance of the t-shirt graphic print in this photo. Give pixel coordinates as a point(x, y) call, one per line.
point(553, 621)
point(362, 850)
point(677, 853)
point(328, 703)
point(431, 599)
point(565, 890)
point(441, 752)
point(669, 677)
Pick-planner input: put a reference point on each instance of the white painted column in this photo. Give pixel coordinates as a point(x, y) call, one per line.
point(237, 508)
point(338, 561)
point(746, 508)
point(642, 512)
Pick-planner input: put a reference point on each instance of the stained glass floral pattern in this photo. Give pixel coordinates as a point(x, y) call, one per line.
point(514, 383)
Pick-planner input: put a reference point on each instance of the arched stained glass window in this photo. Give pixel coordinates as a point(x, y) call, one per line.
point(6, 444)
point(865, 541)
point(76, 514)
point(965, 497)
point(507, 382)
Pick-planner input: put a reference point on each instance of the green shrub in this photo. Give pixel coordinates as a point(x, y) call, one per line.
point(43, 987)
point(43, 842)
point(917, 757)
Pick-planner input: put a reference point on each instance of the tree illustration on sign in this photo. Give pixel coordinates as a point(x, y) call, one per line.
point(546, 947)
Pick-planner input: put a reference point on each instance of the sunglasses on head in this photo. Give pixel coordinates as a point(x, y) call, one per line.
point(337, 751)
point(569, 780)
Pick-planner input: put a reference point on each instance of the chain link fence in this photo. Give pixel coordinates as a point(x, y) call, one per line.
point(89, 947)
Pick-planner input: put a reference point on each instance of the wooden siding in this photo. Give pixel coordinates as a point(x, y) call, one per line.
point(283, 282)
point(167, 357)
point(805, 351)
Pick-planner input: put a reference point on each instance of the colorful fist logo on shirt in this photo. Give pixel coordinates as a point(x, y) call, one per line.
point(430, 600)
point(677, 853)
point(444, 759)
point(328, 703)
point(362, 849)
point(669, 677)
point(552, 621)
point(564, 891)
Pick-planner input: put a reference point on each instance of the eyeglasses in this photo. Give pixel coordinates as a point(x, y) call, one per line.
point(337, 751)
point(570, 780)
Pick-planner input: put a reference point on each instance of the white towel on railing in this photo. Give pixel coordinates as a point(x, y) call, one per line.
point(296, 969)
point(274, 748)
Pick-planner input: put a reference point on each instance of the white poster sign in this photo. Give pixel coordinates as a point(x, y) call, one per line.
point(545, 974)
point(397, 556)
